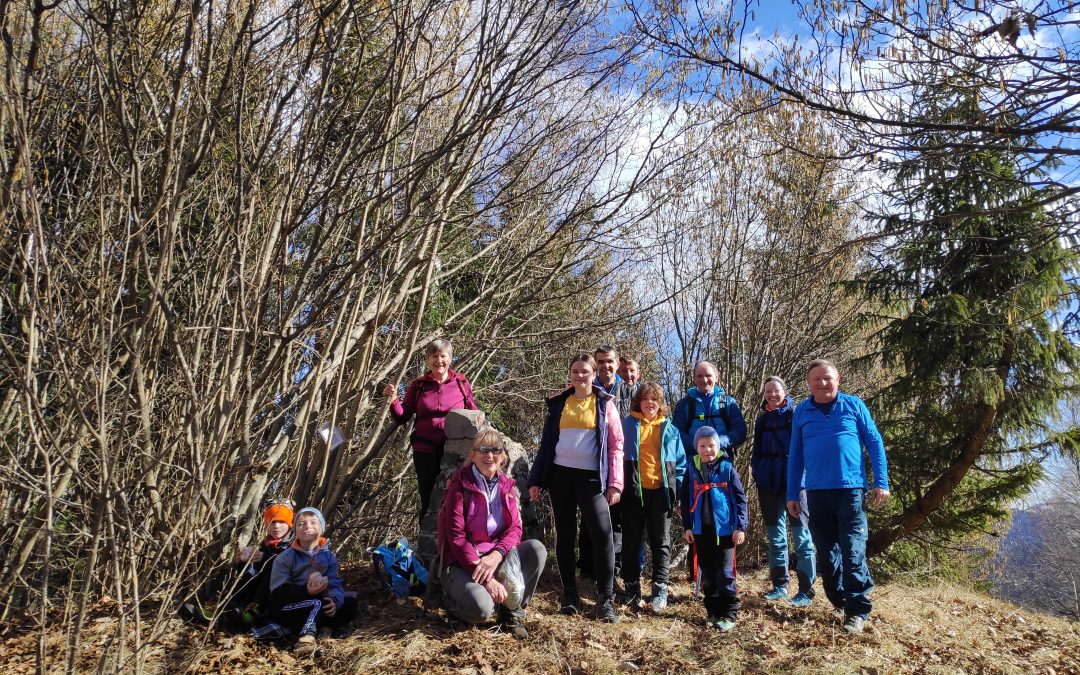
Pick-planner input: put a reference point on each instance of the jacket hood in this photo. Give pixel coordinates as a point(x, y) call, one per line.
point(654, 422)
point(601, 395)
point(785, 406)
point(323, 543)
point(693, 391)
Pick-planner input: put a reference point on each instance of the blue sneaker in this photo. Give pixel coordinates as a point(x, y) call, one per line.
point(659, 598)
point(778, 593)
point(801, 600)
point(725, 625)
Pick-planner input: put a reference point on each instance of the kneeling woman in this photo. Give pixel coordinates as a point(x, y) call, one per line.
point(487, 566)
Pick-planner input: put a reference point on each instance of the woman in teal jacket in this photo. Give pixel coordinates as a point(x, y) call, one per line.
point(653, 466)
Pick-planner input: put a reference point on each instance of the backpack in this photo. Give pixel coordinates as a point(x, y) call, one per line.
point(691, 414)
point(400, 570)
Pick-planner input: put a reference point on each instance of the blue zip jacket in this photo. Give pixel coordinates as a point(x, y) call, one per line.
point(609, 441)
point(707, 413)
point(830, 449)
point(672, 460)
point(772, 438)
point(726, 496)
point(294, 565)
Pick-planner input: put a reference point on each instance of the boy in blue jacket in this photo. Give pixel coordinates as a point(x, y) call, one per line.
point(306, 592)
point(714, 517)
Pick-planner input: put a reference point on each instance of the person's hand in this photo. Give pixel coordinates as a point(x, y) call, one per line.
point(534, 493)
point(613, 495)
point(329, 606)
point(485, 569)
point(390, 390)
point(244, 554)
point(793, 508)
point(738, 537)
point(257, 556)
point(497, 591)
point(689, 536)
point(878, 497)
point(316, 583)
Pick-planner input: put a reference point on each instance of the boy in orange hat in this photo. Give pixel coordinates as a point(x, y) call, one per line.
point(245, 587)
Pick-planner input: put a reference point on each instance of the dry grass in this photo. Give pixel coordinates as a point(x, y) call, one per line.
point(923, 630)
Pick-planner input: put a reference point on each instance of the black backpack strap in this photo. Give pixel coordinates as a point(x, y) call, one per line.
point(690, 410)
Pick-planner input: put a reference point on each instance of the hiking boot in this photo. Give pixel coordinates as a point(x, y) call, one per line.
point(725, 624)
point(192, 613)
point(571, 603)
point(632, 597)
point(511, 625)
point(605, 610)
point(659, 600)
point(778, 593)
point(854, 624)
point(306, 644)
point(801, 599)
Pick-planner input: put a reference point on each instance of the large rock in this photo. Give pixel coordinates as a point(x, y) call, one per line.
point(465, 423)
point(458, 447)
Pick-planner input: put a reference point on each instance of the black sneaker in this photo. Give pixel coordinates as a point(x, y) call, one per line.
point(511, 625)
point(632, 597)
point(571, 603)
point(605, 610)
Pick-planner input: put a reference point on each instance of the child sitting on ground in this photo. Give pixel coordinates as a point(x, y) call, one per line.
point(714, 516)
point(244, 588)
point(306, 592)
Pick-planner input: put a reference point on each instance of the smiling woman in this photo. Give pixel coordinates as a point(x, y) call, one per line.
point(488, 568)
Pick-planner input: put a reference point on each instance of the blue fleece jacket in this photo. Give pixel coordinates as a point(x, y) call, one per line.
point(294, 565)
point(830, 448)
point(732, 432)
point(727, 499)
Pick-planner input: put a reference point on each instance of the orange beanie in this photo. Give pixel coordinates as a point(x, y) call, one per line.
point(280, 512)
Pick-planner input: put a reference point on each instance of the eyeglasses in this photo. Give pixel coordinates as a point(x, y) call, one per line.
point(484, 450)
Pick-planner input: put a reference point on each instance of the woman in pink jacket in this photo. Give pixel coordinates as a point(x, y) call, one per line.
point(430, 398)
point(486, 568)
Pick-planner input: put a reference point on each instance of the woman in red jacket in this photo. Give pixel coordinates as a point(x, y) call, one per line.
point(430, 398)
point(486, 567)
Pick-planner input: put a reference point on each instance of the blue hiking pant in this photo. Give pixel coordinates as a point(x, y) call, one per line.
point(838, 526)
point(776, 518)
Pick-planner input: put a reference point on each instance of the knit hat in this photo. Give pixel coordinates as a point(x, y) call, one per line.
point(282, 512)
point(317, 512)
point(704, 432)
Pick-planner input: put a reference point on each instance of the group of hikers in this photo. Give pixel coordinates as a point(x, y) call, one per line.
point(613, 454)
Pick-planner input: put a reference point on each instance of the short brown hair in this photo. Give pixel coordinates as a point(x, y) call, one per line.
point(819, 363)
point(490, 438)
point(653, 390)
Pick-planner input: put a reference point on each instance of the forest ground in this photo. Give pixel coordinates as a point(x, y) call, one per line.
point(936, 629)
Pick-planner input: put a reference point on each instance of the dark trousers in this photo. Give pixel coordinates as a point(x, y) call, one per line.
point(838, 526)
point(585, 563)
point(427, 471)
point(292, 608)
point(571, 490)
point(716, 571)
point(649, 514)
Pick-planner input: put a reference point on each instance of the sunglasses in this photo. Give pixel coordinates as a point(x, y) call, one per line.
point(484, 450)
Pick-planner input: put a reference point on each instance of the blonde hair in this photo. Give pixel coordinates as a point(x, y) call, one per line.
point(490, 438)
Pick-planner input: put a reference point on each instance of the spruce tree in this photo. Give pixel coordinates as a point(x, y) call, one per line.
point(967, 308)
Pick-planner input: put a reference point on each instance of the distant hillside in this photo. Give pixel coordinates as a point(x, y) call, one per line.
point(938, 629)
point(1033, 568)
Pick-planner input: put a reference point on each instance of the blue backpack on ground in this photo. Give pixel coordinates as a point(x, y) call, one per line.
point(400, 570)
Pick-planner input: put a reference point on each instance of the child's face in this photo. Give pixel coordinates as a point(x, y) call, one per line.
point(308, 529)
point(650, 406)
point(707, 449)
point(277, 529)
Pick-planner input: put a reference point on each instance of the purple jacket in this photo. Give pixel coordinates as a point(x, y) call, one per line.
point(463, 520)
point(430, 401)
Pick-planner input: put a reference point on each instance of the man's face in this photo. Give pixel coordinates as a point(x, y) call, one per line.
point(606, 363)
point(705, 378)
point(632, 374)
point(824, 383)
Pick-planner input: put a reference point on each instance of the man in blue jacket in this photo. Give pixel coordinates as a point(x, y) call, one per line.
point(706, 404)
point(828, 433)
